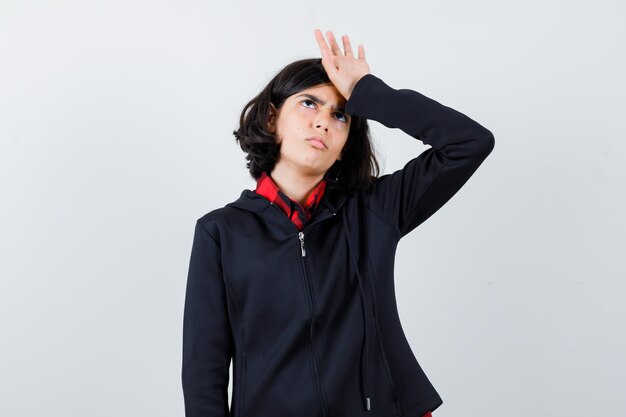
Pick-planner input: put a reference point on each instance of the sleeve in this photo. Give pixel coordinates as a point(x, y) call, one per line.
point(207, 339)
point(409, 196)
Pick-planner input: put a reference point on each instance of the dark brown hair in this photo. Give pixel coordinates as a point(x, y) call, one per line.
point(358, 166)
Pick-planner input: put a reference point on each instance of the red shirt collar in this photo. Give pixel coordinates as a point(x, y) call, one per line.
point(298, 214)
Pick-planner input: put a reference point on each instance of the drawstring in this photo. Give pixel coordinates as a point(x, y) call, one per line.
point(365, 388)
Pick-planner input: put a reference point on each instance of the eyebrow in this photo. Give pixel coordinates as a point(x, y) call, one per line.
point(322, 102)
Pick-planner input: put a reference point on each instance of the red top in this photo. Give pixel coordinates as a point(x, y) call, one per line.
point(299, 215)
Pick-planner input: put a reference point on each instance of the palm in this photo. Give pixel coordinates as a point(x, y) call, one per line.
point(343, 69)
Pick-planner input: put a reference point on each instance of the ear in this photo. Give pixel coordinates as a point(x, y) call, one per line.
point(271, 123)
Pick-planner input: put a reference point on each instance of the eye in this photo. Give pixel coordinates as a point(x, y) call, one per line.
point(308, 101)
point(343, 117)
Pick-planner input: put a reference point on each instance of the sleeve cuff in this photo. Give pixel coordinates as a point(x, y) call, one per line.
point(358, 90)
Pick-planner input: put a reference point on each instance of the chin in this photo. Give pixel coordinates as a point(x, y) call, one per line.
point(314, 170)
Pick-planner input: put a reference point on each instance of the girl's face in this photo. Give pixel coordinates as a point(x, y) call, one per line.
point(316, 112)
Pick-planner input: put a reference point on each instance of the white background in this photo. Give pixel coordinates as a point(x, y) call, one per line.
point(116, 123)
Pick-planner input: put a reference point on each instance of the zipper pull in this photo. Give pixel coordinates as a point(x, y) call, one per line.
point(301, 236)
point(367, 403)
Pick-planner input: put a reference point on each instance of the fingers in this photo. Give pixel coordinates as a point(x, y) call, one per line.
point(334, 49)
point(346, 45)
point(326, 53)
point(333, 43)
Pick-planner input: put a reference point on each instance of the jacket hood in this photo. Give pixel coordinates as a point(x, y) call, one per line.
point(249, 200)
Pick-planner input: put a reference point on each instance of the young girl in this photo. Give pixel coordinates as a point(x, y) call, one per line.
point(294, 280)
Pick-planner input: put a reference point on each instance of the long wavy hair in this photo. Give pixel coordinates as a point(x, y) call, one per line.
point(358, 167)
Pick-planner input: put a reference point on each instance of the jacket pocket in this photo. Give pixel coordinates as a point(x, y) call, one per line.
point(240, 389)
point(243, 385)
point(388, 374)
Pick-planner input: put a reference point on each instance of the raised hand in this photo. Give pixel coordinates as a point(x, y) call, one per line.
point(343, 69)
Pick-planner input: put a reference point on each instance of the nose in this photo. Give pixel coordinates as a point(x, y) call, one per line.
point(320, 125)
point(322, 122)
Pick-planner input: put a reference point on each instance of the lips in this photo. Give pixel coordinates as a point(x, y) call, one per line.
point(317, 142)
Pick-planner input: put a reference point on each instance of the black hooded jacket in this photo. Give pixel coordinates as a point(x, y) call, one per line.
point(310, 318)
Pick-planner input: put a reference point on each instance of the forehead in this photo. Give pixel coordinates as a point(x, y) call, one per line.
point(325, 92)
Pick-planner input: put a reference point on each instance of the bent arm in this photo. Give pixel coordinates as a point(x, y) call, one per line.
point(409, 196)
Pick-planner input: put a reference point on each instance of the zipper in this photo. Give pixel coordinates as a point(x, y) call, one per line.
point(300, 235)
point(302, 248)
point(312, 327)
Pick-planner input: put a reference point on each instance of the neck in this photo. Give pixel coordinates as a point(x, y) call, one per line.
point(296, 185)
